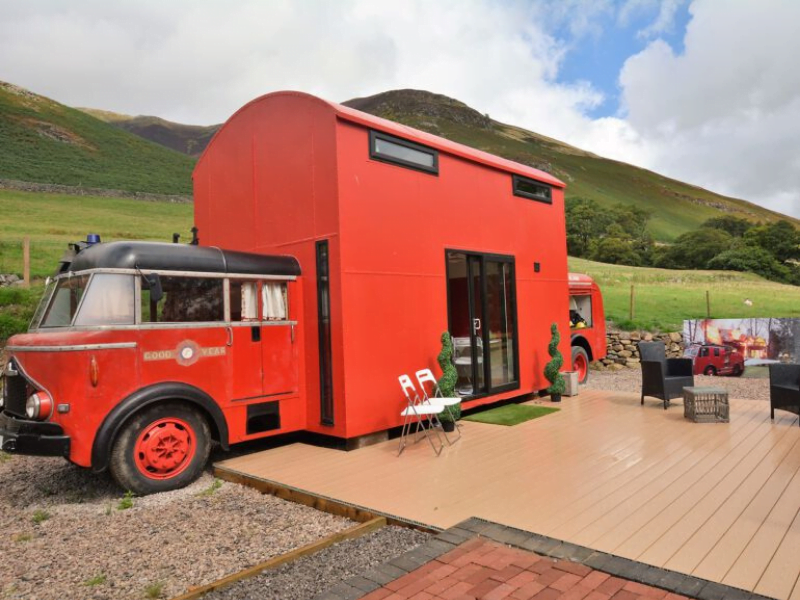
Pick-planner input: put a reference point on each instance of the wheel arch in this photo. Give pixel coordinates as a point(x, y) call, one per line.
point(579, 340)
point(148, 396)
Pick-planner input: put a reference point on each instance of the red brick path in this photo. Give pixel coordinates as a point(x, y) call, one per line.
point(484, 569)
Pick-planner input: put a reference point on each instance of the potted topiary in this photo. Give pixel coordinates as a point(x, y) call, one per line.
point(447, 383)
point(553, 368)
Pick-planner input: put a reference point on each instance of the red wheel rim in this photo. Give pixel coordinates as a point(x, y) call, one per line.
point(165, 448)
point(581, 366)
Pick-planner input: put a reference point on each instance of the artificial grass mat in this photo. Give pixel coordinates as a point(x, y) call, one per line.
point(510, 414)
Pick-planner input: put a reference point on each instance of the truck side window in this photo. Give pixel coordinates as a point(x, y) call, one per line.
point(274, 300)
point(244, 300)
point(716, 351)
point(703, 351)
point(185, 300)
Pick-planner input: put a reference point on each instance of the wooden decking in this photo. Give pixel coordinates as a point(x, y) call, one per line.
point(719, 501)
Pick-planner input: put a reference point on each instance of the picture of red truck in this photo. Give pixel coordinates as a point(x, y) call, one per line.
point(333, 250)
point(714, 359)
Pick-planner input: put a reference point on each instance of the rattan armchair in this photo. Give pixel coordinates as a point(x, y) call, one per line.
point(784, 388)
point(663, 377)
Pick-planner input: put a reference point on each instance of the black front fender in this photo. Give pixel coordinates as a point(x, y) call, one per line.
point(101, 450)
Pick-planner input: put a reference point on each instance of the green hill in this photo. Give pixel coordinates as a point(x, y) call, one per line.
point(187, 139)
point(677, 207)
point(46, 142)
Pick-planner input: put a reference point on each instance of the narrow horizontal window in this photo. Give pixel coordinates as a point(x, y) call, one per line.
point(533, 190)
point(401, 152)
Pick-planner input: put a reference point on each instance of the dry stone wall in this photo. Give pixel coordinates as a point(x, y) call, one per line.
point(623, 348)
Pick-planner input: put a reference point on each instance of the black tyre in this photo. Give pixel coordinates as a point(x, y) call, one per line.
point(580, 363)
point(163, 447)
point(710, 370)
point(738, 370)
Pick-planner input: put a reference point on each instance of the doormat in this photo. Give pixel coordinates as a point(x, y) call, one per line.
point(510, 414)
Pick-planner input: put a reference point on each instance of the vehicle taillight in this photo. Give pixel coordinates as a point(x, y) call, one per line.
point(39, 406)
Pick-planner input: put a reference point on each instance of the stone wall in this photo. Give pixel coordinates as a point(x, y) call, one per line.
point(52, 188)
point(623, 348)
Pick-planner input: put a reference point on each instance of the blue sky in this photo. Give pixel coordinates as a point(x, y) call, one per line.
point(598, 54)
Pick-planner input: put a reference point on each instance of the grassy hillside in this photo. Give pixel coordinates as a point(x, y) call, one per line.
point(46, 142)
point(677, 207)
point(188, 139)
point(664, 298)
point(53, 220)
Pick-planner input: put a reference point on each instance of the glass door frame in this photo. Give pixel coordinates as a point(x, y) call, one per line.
point(487, 361)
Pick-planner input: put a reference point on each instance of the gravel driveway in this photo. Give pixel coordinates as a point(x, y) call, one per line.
point(306, 577)
point(630, 380)
point(68, 536)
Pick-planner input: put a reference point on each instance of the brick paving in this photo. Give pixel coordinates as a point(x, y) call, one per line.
point(482, 569)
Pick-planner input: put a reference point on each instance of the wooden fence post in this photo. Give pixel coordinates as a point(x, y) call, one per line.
point(632, 304)
point(26, 262)
point(708, 305)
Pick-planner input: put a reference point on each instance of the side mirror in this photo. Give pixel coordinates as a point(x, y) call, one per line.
point(152, 282)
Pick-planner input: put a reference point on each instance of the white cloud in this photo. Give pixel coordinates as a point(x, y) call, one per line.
point(725, 114)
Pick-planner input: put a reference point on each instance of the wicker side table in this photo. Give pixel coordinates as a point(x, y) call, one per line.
point(706, 404)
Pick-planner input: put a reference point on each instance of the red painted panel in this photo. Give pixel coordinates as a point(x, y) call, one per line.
point(280, 360)
point(244, 363)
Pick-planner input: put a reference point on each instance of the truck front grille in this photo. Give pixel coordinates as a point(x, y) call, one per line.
point(15, 394)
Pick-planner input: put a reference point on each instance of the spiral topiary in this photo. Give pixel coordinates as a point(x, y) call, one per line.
point(552, 370)
point(447, 383)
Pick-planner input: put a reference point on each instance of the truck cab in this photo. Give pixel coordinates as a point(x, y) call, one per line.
point(587, 323)
point(141, 354)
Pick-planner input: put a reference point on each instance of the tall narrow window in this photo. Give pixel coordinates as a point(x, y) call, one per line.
point(324, 321)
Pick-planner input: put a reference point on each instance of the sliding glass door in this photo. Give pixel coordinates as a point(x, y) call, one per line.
point(483, 321)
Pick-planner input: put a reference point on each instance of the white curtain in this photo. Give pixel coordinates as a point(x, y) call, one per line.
point(274, 301)
point(249, 301)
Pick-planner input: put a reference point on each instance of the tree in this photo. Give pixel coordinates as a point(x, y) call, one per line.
point(735, 226)
point(694, 249)
point(585, 221)
point(780, 239)
point(752, 259)
point(616, 251)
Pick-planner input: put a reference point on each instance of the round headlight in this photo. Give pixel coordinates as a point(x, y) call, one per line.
point(39, 406)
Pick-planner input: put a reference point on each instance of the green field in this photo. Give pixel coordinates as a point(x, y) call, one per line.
point(53, 220)
point(663, 298)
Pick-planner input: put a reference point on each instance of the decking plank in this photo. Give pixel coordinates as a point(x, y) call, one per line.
point(603, 472)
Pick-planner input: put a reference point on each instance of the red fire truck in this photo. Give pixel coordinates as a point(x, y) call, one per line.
point(141, 354)
point(715, 359)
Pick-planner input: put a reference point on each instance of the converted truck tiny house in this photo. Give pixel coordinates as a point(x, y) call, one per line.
point(350, 244)
point(400, 235)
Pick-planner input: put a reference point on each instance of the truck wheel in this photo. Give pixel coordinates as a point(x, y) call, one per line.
point(164, 447)
point(580, 363)
point(709, 370)
point(738, 370)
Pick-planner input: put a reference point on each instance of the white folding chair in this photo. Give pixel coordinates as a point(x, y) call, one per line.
point(435, 398)
point(424, 413)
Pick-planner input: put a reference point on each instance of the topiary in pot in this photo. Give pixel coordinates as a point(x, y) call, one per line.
point(552, 370)
point(447, 383)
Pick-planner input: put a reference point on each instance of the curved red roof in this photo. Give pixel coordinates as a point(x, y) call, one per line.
point(434, 141)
